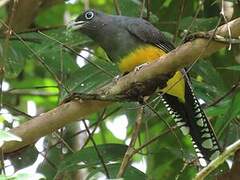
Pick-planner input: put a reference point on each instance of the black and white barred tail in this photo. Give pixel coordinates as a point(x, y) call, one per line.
point(192, 120)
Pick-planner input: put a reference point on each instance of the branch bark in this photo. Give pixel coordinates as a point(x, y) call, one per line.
point(26, 11)
point(219, 160)
point(181, 57)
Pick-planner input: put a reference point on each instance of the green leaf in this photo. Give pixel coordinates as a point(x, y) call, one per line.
point(233, 68)
point(88, 156)
point(198, 24)
point(27, 157)
point(6, 136)
point(21, 175)
point(13, 58)
point(232, 112)
point(210, 85)
point(219, 109)
point(89, 77)
point(27, 176)
point(130, 7)
point(3, 177)
point(54, 155)
point(130, 173)
point(51, 16)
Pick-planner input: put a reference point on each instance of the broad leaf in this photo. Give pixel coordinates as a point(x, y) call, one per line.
point(6, 136)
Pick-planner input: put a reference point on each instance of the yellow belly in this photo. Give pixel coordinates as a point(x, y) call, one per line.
point(175, 85)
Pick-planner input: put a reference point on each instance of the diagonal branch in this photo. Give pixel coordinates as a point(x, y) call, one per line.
point(230, 150)
point(129, 153)
point(181, 57)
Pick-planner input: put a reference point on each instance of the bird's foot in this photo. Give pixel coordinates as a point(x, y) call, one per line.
point(116, 78)
point(72, 97)
point(139, 90)
point(137, 68)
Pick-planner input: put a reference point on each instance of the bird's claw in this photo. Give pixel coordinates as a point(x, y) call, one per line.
point(116, 78)
point(137, 68)
point(72, 96)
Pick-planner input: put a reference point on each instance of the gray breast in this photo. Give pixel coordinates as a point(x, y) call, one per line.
point(116, 40)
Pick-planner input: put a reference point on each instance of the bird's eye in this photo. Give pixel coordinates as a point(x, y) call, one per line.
point(89, 15)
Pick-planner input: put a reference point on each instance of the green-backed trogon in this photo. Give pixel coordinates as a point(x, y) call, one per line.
point(130, 42)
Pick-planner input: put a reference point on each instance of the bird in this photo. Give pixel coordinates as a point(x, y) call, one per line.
point(131, 42)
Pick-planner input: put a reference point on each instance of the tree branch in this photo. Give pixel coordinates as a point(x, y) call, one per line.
point(26, 11)
point(219, 160)
point(129, 153)
point(181, 57)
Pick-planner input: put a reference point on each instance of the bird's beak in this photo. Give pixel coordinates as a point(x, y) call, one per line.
point(75, 25)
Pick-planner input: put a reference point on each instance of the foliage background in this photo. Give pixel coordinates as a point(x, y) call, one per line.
point(36, 81)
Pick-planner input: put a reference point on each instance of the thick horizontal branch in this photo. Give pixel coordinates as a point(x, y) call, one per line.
point(181, 57)
point(50, 121)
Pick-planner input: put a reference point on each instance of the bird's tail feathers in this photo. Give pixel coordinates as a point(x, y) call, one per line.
point(192, 120)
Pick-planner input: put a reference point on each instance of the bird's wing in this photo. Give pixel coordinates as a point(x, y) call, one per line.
point(148, 33)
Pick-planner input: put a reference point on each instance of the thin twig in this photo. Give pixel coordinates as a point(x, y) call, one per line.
point(30, 93)
point(40, 60)
point(206, 47)
point(233, 88)
point(61, 73)
point(96, 148)
point(76, 53)
point(148, 9)
point(98, 122)
point(226, 21)
point(33, 40)
point(182, 5)
point(154, 139)
point(86, 4)
point(128, 154)
point(219, 160)
point(10, 20)
point(17, 111)
point(92, 53)
point(6, 48)
point(167, 23)
point(32, 87)
point(167, 124)
point(142, 8)
point(2, 168)
point(63, 141)
point(41, 29)
point(182, 170)
point(94, 124)
point(83, 131)
point(194, 19)
point(48, 160)
point(117, 7)
point(147, 135)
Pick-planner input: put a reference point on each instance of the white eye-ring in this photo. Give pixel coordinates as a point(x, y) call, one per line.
point(89, 15)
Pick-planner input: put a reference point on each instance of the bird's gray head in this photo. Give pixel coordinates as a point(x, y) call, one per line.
point(88, 22)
